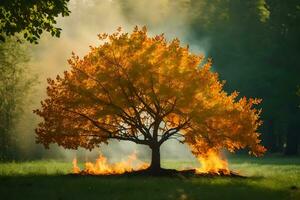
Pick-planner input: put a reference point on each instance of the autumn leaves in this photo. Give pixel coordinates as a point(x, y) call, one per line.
point(145, 90)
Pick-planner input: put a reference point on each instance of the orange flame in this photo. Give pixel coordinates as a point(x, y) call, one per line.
point(213, 163)
point(102, 166)
point(76, 169)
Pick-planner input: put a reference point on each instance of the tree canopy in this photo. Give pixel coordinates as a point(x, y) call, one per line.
point(31, 17)
point(146, 90)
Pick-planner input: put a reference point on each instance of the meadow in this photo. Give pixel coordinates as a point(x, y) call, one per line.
point(267, 178)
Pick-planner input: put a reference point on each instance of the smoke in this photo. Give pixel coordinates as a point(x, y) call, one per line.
point(79, 31)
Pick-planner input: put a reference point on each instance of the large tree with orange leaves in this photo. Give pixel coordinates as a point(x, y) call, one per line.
point(146, 90)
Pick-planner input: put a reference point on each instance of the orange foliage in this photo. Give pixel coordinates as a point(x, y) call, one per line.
point(146, 90)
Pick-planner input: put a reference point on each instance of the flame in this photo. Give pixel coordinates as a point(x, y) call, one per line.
point(213, 163)
point(102, 166)
point(76, 169)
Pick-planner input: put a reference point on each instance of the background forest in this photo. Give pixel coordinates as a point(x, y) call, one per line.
point(255, 46)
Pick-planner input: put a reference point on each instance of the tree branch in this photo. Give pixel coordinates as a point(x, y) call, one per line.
point(172, 131)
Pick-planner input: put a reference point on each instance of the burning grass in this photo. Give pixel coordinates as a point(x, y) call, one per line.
point(212, 164)
point(103, 167)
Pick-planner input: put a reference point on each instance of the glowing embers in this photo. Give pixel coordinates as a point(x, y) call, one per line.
point(103, 167)
point(213, 163)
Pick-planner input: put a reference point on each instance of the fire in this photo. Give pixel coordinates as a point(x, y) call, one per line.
point(76, 169)
point(213, 163)
point(102, 166)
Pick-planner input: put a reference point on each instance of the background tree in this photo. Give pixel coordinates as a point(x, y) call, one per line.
point(15, 82)
point(145, 90)
point(284, 29)
point(31, 17)
point(263, 40)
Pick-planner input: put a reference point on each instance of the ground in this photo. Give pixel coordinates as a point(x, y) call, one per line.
point(268, 178)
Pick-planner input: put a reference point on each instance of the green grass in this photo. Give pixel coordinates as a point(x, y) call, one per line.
point(268, 178)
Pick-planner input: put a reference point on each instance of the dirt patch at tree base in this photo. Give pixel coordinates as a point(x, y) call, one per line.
point(189, 173)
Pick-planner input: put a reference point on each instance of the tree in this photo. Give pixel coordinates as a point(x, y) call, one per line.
point(145, 90)
point(15, 82)
point(31, 17)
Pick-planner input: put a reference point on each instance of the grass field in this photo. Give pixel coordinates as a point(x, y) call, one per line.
point(268, 178)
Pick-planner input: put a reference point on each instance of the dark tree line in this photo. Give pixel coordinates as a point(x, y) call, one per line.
point(256, 46)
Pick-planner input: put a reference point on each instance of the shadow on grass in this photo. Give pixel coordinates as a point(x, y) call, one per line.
point(141, 188)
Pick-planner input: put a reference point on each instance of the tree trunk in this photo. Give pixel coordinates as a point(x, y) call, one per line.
point(293, 130)
point(155, 159)
point(292, 139)
point(271, 136)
